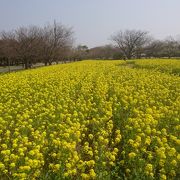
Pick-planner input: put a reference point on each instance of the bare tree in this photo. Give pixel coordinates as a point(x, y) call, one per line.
point(130, 42)
point(81, 52)
point(170, 47)
point(56, 40)
point(8, 52)
point(105, 52)
point(154, 49)
point(28, 44)
point(32, 44)
point(24, 43)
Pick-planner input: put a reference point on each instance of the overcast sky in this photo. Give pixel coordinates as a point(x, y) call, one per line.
point(94, 21)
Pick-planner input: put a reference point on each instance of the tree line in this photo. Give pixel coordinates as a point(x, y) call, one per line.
point(30, 45)
point(54, 43)
point(132, 44)
point(135, 44)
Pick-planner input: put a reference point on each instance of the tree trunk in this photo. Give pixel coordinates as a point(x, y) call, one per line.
point(9, 65)
point(129, 56)
point(26, 64)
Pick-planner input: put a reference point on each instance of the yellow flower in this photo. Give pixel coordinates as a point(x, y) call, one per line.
point(148, 140)
point(178, 157)
point(12, 165)
point(90, 163)
point(56, 167)
point(138, 138)
point(85, 176)
point(162, 162)
point(54, 155)
point(101, 138)
point(122, 162)
point(164, 140)
point(148, 168)
point(128, 171)
point(92, 173)
point(172, 173)
point(163, 177)
point(174, 163)
point(2, 166)
point(90, 153)
point(68, 165)
point(116, 150)
point(26, 168)
point(4, 146)
point(90, 136)
point(117, 139)
point(151, 174)
point(66, 174)
point(112, 157)
point(172, 152)
point(132, 155)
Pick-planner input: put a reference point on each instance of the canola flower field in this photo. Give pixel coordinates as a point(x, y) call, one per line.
point(169, 66)
point(91, 120)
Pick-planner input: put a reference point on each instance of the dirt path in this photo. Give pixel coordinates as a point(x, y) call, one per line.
point(129, 64)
